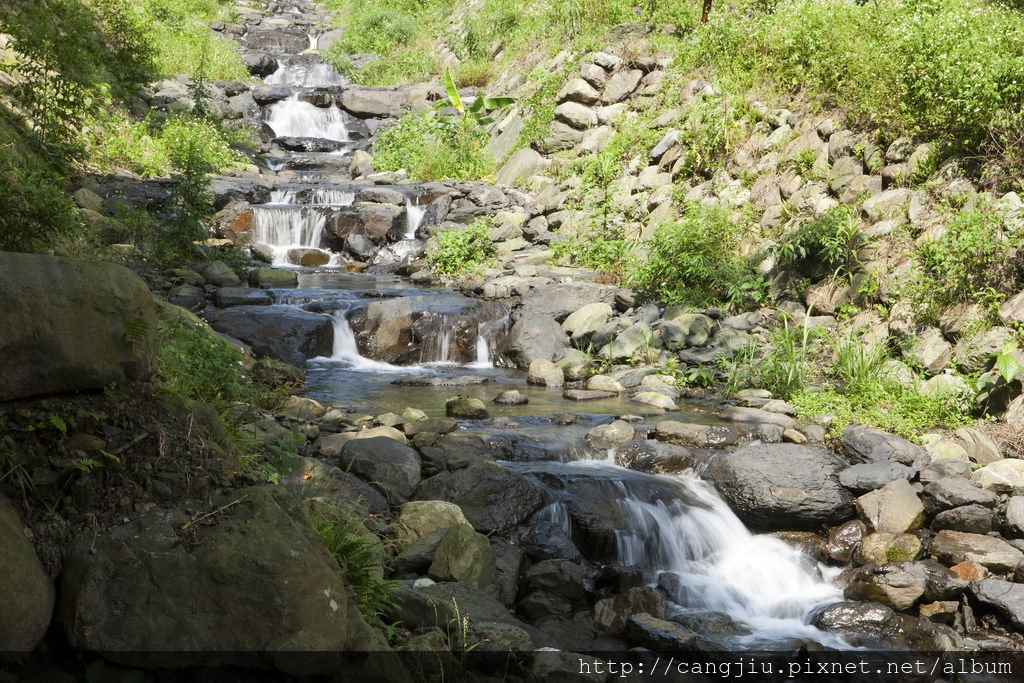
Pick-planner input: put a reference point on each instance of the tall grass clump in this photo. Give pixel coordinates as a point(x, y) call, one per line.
point(431, 147)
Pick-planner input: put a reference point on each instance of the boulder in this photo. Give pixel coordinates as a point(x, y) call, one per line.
point(782, 486)
point(894, 508)
point(577, 115)
point(882, 547)
point(973, 519)
point(285, 333)
point(621, 85)
point(531, 338)
point(561, 300)
point(26, 592)
point(611, 614)
point(610, 435)
point(70, 324)
point(545, 373)
point(584, 321)
point(220, 274)
point(523, 164)
point(654, 399)
point(367, 102)
point(1002, 476)
point(465, 408)
point(417, 518)
point(953, 547)
point(226, 297)
point(868, 476)
point(491, 497)
point(254, 588)
point(975, 353)
point(188, 296)
point(375, 221)
point(392, 467)
point(387, 330)
point(930, 350)
point(867, 444)
point(951, 492)
point(643, 630)
point(465, 555)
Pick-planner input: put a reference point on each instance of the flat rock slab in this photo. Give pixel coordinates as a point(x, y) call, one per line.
point(1007, 598)
point(587, 394)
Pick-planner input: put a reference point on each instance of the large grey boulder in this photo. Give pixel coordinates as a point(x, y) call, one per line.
point(867, 444)
point(70, 324)
point(490, 496)
point(533, 337)
point(954, 547)
point(782, 486)
point(898, 585)
point(251, 589)
point(465, 555)
point(894, 508)
point(391, 466)
point(26, 591)
point(561, 300)
point(281, 332)
point(374, 102)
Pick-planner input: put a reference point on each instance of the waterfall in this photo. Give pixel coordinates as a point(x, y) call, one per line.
point(332, 196)
point(556, 513)
point(483, 352)
point(305, 75)
point(721, 566)
point(346, 350)
point(294, 118)
point(414, 216)
point(437, 345)
point(284, 227)
point(314, 42)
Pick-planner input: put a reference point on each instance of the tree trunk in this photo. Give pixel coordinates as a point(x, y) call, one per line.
point(706, 12)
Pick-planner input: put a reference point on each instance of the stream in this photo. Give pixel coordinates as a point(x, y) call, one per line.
point(675, 529)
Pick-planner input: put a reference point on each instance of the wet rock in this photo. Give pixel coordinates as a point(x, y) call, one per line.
point(282, 332)
point(433, 425)
point(782, 486)
point(604, 383)
point(654, 399)
point(611, 614)
point(758, 416)
point(866, 444)
point(440, 605)
point(219, 274)
point(844, 539)
point(1005, 597)
point(546, 541)
point(511, 397)
point(656, 457)
point(319, 481)
point(465, 408)
point(282, 586)
point(188, 297)
point(882, 547)
point(898, 585)
point(610, 435)
point(100, 330)
point(26, 593)
point(694, 435)
point(465, 555)
point(491, 497)
point(587, 395)
point(532, 338)
point(952, 547)
point(389, 465)
point(659, 635)
point(1015, 515)
point(260, 64)
point(894, 508)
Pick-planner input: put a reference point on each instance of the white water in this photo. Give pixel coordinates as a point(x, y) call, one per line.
point(332, 196)
point(284, 227)
point(414, 216)
point(483, 352)
point(295, 118)
point(759, 580)
point(305, 75)
point(345, 350)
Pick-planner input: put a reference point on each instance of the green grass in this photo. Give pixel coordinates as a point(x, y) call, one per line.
point(360, 558)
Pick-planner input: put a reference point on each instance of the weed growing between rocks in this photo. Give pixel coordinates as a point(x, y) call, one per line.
point(460, 252)
point(361, 559)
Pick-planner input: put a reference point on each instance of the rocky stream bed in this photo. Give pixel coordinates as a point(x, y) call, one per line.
point(530, 506)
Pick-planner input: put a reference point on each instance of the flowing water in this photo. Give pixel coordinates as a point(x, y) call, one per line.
point(676, 529)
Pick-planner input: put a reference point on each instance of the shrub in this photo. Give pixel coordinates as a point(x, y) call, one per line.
point(971, 258)
point(462, 251)
point(826, 245)
point(434, 148)
point(694, 260)
point(360, 558)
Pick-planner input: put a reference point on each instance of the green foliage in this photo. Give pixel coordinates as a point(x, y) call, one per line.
point(787, 363)
point(858, 362)
point(434, 148)
point(191, 203)
point(942, 69)
point(196, 365)
point(970, 259)
point(35, 211)
point(604, 252)
point(462, 251)
point(997, 387)
point(694, 260)
point(360, 557)
point(825, 245)
point(882, 404)
point(479, 111)
point(411, 65)
point(713, 125)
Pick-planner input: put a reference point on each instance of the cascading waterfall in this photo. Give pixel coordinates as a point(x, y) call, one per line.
point(483, 352)
point(294, 118)
point(345, 349)
point(283, 224)
point(437, 346)
point(757, 579)
point(488, 332)
point(414, 216)
point(305, 75)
